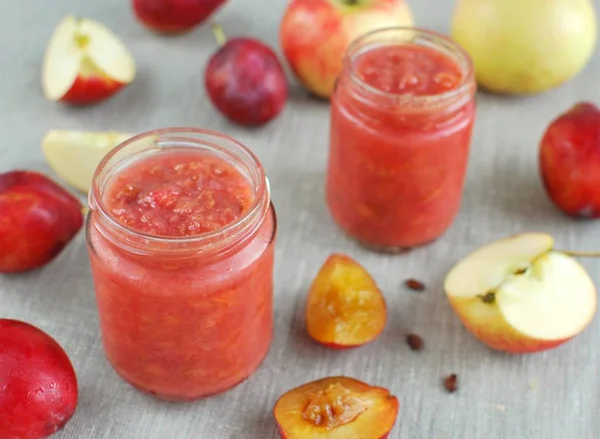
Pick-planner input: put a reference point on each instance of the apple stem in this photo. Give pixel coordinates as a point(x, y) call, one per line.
point(577, 254)
point(219, 34)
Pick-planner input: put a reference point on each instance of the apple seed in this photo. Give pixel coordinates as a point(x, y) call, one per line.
point(414, 341)
point(414, 285)
point(451, 383)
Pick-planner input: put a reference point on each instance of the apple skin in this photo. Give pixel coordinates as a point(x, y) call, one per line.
point(38, 218)
point(246, 82)
point(92, 88)
point(569, 161)
point(40, 390)
point(485, 322)
point(314, 35)
point(174, 16)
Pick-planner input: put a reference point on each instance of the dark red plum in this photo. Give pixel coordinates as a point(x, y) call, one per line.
point(38, 384)
point(246, 82)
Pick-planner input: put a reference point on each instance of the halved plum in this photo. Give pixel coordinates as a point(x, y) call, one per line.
point(345, 308)
point(336, 408)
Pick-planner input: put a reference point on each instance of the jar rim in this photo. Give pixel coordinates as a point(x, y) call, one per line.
point(260, 181)
point(439, 40)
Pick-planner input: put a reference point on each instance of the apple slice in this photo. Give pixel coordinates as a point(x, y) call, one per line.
point(336, 408)
point(519, 295)
point(75, 155)
point(345, 307)
point(85, 63)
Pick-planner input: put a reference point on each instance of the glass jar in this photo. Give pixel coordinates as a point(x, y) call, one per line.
point(397, 160)
point(183, 317)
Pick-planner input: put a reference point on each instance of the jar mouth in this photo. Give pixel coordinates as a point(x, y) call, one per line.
point(161, 139)
point(417, 36)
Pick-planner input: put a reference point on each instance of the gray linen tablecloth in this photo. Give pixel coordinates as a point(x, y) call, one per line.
point(549, 395)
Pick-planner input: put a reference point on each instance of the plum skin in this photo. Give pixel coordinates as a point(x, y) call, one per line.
point(38, 218)
point(40, 389)
point(174, 16)
point(246, 82)
point(569, 161)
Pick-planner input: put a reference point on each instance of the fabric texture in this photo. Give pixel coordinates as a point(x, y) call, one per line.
point(550, 395)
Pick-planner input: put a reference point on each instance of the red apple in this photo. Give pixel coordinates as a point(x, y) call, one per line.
point(38, 385)
point(570, 161)
point(245, 81)
point(38, 219)
point(85, 63)
point(174, 16)
point(314, 35)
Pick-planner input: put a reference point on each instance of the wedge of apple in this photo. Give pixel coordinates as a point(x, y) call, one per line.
point(519, 295)
point(85, 63)
point(75, 155)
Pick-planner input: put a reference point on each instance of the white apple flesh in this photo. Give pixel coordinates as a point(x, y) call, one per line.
point(85, 63)
point(75, 155)
point(519, 295)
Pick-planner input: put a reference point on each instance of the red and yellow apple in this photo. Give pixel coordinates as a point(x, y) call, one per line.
point(314, 35)
point(345, 308)
point(85, 63)
point(570, 161)
point(38, 218)
point(336, 408)
point(174, 16)
point(39, 386)
point(519, 295)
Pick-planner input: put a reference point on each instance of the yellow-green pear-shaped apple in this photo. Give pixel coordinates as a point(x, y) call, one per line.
point(519, 295)
point(525, 46)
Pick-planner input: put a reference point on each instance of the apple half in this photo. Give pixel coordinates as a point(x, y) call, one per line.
point(75, 155)
point(85, 63)
point(519, 295)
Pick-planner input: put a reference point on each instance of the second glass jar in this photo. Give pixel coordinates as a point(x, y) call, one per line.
point(402, 114)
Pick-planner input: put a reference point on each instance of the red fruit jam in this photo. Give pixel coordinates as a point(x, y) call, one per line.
point(401, 120)
point(181, 235)
point(179, 193)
